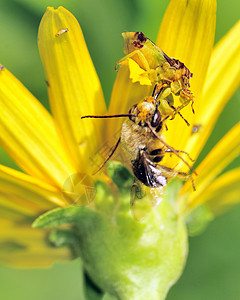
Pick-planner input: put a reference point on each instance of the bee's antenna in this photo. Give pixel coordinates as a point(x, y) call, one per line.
point(111, 116)
point(171, 148)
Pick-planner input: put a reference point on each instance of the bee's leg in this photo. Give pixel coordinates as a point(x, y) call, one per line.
point(170, 147)
point(109, 156)
point(179, 151)
point(141, 57)
point(159, 153)
point(170, 173)
point(193, 184)
point(185, 176)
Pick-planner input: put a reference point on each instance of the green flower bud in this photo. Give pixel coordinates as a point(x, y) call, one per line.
point(124, 257)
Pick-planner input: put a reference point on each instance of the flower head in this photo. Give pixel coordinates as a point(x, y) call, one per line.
point(59, 152)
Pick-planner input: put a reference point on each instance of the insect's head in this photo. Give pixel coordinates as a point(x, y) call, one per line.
point(146, 112)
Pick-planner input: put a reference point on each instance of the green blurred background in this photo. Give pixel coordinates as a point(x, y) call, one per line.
point(213, 266)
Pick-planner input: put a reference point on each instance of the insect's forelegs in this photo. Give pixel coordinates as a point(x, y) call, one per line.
point(142, 58)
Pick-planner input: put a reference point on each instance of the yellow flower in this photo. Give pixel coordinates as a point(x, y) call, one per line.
point(53, 150)
point(59, 153)
point(216, 73)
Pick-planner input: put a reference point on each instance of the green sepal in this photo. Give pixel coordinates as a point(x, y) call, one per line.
point(125, 258)
point(65, 237)
point(121, 176)
point(198, 220)
point(75, 215)
point(104, 199)
point(171, 191)
point(107, 296)
point(92, 292)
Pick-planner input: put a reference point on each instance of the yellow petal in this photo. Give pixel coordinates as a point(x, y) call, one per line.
point(183, 35)
point(28, 133)
point(73, 86)
point(15, 208)
point(220, 156)
point(222, 80)
point(125, 93)
point(187, 33)
point(223, 193)
point(23, 246)
point(136, 74)
point(20, 189)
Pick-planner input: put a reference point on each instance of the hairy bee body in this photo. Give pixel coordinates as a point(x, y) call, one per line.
point(135, 138)
point(139, 145)
point(145, 146)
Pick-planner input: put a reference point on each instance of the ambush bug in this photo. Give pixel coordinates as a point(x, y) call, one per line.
point(171, 75)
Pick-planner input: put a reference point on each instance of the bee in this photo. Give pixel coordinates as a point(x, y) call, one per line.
point(142, 139)
point(172, 76)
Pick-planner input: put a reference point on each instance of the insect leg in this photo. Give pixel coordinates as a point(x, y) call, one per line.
point(141, 57)
point(135, 192)
point(168, 172)
point(175, 109)
point(109, 156)
point(185, 97)
point(180, 151)
point(171, 148)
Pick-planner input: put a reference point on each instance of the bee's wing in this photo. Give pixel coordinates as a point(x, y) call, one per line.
point(143, 170)
point(143, 198)
point(140, 202)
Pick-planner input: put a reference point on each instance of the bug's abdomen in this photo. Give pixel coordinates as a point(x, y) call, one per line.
point(147, 171)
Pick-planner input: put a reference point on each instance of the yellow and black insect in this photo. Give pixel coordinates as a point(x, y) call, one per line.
point(142, 139)
point(170, 74)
